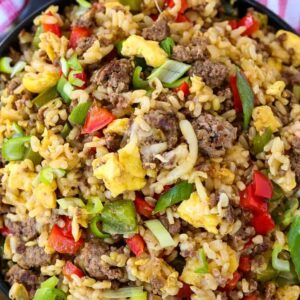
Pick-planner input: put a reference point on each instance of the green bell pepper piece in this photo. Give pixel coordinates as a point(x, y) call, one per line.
point(79, 113)
point(45, 97)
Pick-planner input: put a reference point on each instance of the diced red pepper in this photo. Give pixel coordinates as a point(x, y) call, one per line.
point(184, 5)
point(245, 264)
point(62, 243)
point(250, 23)
point(97, 118)
point(78, 33)
point(70, 269)
point(184, 292)
point(250, 297)
point(54, 28)
point(154, 17)
point(248, 244)
point(262, 185)
point(233, 23)
point(250, 202)
point(184, 87)
point(232, 283)
point(182, 18)
point(262, 223)
point(4, 231)
point(67, 229)
point(236, 96)
point(143, 207)
point(136, 244)
point(81, 76)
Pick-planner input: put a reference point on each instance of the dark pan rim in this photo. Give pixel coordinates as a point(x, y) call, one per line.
point(12, 37)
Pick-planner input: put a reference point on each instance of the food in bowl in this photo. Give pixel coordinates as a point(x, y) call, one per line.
point(150, 150)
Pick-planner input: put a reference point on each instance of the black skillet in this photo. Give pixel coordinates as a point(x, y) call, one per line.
point(36, 6)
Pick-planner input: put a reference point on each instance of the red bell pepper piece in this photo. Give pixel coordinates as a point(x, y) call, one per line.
point(184, 292)
point(233, 23)
point(136, 244)
point(154, 17)
point(232, 283)
point(184, 87)
point(262, 223)
point(54, 28)
point(81, 76)
point(250, 297)
point(245, 264)
point(69, 269)
point(250, 23)
point(97, 118)
point(262, 185)
point(78, 33)
point(67, 229)
point(60, 240)
point(253, 203)
point(143, 207)
point(182, 18)
point(4, 231)
point(237, 103)
point(183, 8)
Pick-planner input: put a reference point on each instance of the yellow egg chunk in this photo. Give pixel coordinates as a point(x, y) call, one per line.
point(118, 126)
point(291, 41)
point(288, 292)
point(39, 82)
point(195, 211)
point(150, 50)
point(122, 171)
point(264, 118)
point(276, 89)
point(45, 195)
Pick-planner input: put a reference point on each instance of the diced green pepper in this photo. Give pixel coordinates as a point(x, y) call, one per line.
point(18, 130)
point(95, 229)
point(277, 263)
point(260, 141)
point(66, 130)
point(65, 89)
point(94, 205)
point(14, 148)
point(119, 46)
point(167, 45)
point(49, 294)
point(74, 63)
point(294, 243)
point(5, 66)
point(203, 268)
point(79, 113)
point(50, 282)
point(48, 174)
point(289, 214)
point(266, 275)
point(36, 40)
point(176, 83)
point(45, 97)
point(137, 81)
point(134, 5)
point(35, 157)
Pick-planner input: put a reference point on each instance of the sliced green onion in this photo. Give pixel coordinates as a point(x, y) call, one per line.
point(79, 113)
point(170, 71)
point(176, 83)
point(134, 5)
point(296, 91)
point(18, 130)
point(74, 80)
point(277, 263)
point(64, 66)
point(143, 296)
point(74, 63)
point(45, 97)
point(176, 194)
point(66, 130)
point(167, 45)
point(160, 232)
point(49, 294)
point(203, 269)
point(94, 205)
point(260, 141)
point(65, 89)
point(289, 214)
point(65, 203)
point(14, 148)
point(123, 293)
point(84, 3)
point(137, 81)
point(50, 282)
point(267, 274)
point(119, 46)
point(36, 39)
point(5, 66)
point(48, 174)
point(18, 67)
point(95, 229)
point(35, 157)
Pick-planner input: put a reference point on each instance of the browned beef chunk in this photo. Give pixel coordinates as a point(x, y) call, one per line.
point(113, 141)
point(28, 278)
point(118, 101)
point(196, 51)
point(214, 136)
point(12, 85)
point(115, 74)
point(172, 228)
point(33, 256)
point(295, 161)
point(84, 44)
point(291, 77)
point(213, 74)
point(89, 259)
point(25, 229)
point(86, 19)
point(158, 31)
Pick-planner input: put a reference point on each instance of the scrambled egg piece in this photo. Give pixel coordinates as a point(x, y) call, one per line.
point(195, 211)
point(292, 41)
point(39, 82)
point(122, 171)
point(118, 126)
point(264, 118)
point(276, 89)
point(273, 63)
point(150, 50)
point(45, 194)
point(18, 291)
point(288, 292)
point(223, 174)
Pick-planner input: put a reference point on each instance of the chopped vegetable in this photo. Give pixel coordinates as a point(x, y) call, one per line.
point(246, 96)
point(177, 194)
point(45, 97)
point(182, 19)
point(48, 174)
point(74, 63)
point(18, 130)
point(296, 91)
point(267, 274)
point(119, 217)
point(123, 293)
point(262, 185)
point(48, 291)
point(160, 232)
point(54, 28)
point(97, 118)
point(5, 66)
point(14, 148)
point(66, 130)
point(277, 263)
point(237, 103)
point(143, 296)
point(143, 207)
point(167, 44)
point(294, 243)
point(250, 297)
point(203, 269)
point(170, 71)
point(65, 89)
point(137, 81)
point(289, 214)
point(278, 194)
point(119, 46)
point(65, 203)
point(35, 157)
point(184, 88)
point(232, 283)
point(94, 205)
point(183, 5)
point(50, 282)
point(94, 228)
point(64, 66)
point(84, 3)
point(262, 223)
point(69, 269)
point(134, 5)
point(136, 244)
point(79, 113)
point(4, 231)
point(185, 292)
point(233, 24)
point(262, 19)
point(245, 264)
point(36, 39)
point(177, 83)
point(18, 67)
point(250, 23)
point(260, 141)
point(78, 33)
point(77, 78)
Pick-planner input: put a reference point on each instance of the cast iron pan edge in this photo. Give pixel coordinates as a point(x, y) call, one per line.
point(35, 8)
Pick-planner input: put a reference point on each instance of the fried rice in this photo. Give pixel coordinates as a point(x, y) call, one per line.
point(150, 151)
